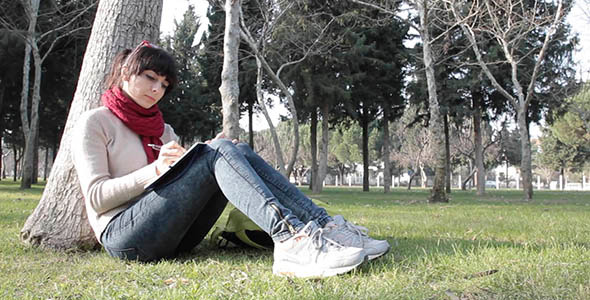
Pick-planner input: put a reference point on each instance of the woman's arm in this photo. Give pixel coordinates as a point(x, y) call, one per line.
point(102, 190)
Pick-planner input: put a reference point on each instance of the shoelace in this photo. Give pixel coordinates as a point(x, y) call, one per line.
point(360, 230)
point(355, 230)
point(319, 240)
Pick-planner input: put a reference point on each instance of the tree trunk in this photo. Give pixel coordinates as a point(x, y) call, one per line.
point(33, 130)
point(437, 193)
point(423, 177)
point(467, 179)
point(313, 145)
point(323, 164)
point(230, 88)
point(59, 221)
point(250, 124)
point(45, 164)
point(35, 176)
point(562, 178)
point(481, 173)
point(365, 138)
point(16, 160)
point(386, 152)
point(2, 89)
point(447, 155)
point(525, 146)
point(32, 10)
point(410, 181)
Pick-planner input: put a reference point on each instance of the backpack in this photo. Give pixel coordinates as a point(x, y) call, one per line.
point(240, 231)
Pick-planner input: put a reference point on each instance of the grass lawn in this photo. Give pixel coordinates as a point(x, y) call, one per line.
point(491, 247)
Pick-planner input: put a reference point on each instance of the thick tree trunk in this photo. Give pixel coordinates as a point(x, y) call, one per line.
point(437, 193)
point(481, 173)
point(386, 151)
point(230, 88)
point(526, 162)
point(59, 221)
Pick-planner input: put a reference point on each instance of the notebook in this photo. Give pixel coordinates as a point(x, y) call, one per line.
point(176, 166)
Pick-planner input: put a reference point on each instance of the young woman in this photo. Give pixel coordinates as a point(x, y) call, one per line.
point(124, 145)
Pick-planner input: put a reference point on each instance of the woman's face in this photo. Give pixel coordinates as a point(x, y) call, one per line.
point(146, 89)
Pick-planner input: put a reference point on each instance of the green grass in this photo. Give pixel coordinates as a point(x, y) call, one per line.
point(491, 247)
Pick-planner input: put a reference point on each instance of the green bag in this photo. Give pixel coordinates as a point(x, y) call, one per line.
point(240, 231)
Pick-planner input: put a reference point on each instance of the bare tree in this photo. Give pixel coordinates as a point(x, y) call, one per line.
point(508, 23)
point(65, 19)
point(59, 221)
point(275, 18)
point(415, 146)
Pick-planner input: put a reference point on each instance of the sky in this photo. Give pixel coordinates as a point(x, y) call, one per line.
point(174, 9)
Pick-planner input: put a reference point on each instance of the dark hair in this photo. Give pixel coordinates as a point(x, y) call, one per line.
point(139, 60)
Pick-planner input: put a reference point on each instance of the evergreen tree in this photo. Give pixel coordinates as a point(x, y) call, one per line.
point(193, 115)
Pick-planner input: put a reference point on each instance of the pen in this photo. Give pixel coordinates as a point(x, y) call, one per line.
point(155, 147)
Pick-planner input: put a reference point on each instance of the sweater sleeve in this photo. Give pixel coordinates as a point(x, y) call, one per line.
point(102, 191)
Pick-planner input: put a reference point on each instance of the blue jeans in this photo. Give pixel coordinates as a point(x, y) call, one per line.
point(175, 216)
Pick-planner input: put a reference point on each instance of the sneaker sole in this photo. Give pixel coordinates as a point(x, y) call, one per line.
point(294, 270)
point(377, 255)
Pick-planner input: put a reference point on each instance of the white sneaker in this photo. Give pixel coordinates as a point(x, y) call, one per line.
point(351, 235)
point(310, 254)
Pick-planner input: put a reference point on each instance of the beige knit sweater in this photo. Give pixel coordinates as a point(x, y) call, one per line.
point(111, 164)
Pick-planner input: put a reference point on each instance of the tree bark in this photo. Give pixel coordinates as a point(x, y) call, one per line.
point(526, 161)
point(447, 155)
point(437, 194)
point(33, 131)
point(480, 177)
point(230, 88)
point(29, 123)
point(59, 221)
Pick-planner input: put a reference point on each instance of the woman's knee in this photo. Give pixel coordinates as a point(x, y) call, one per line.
point(222, 144)
point(244, 149)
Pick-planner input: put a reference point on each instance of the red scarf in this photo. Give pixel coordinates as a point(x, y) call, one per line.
point(147, 123)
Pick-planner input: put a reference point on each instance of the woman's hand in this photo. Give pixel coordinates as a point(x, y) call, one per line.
point(169, 153)
point(221, 135)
